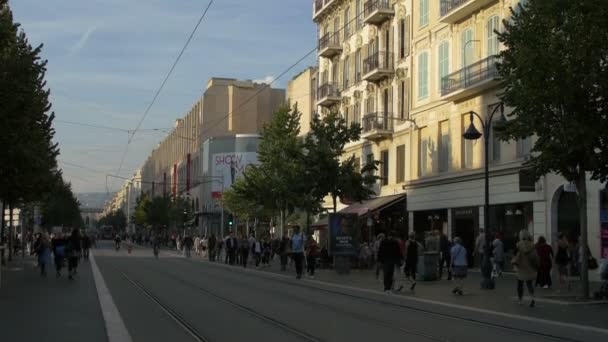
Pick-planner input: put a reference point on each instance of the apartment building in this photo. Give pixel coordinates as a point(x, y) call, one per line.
point(301, 92)
point(383, 63)
point(365, 73)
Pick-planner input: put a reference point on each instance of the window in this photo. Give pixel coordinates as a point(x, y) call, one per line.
point(337, 30)
point(444, 146)
point(346, 73)
point(357, 112)
point(359, 14)
point(467, 145)
point(369, 160)
point(523, 147)
point(443, 61)
point(466, 43)
point(358, 66)
point(402, 38)
point(424, 13)
point(400, 163)
point(384, 168)
point(401, 99)
point(357, 163)
point(347, 115)
point(370, 107)
point(492, 36)
point(423, 152)
point(334, 72)
point(495, 144)
point(346, 23)
point(423, 75)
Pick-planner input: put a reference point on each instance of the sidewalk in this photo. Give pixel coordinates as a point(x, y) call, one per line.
point(49, 309)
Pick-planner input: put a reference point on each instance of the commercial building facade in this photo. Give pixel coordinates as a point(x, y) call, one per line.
point(433, 62)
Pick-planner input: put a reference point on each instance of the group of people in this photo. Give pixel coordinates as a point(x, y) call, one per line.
point(59, 248)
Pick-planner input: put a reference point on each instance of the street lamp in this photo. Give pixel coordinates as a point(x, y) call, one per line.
point(472, 133)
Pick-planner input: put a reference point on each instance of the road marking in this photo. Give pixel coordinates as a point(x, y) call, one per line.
point(115, 326)
point(426, 301)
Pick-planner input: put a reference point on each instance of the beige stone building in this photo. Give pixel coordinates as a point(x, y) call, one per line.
point(301, 91)
point(383, 62)
point(227, 107)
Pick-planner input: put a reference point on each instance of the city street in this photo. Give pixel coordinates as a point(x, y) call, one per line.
point(192, 300)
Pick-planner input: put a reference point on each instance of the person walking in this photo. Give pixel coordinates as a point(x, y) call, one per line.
point(526, 264)
point(498, 255)
point(284, 251)
point(43, 250)
point(411, 260)
point(312, 253)
point(244, 250)
point(297, 250)
point(545, 257)
point(59, 251)
point(231, 248)
point(74, 250)
point(256, 250)
point(459, 265)
point(480, 245)
point(445, 255)
point(389, 255)
point(86, 245)
point(212, 242)
point(197, 245)
point(562, 261)
point(377, 243)
point(188, 244)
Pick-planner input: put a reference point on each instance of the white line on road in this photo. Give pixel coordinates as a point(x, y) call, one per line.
point(115, 326)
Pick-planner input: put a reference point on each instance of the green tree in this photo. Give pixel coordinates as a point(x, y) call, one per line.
point(332, 173)
point(116, 219)
point(180, 212)
point(61, 208)
point(157, 212)
point(140, 215)
point(555, 78)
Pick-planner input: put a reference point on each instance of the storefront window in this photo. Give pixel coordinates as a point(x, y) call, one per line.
point(508, 220)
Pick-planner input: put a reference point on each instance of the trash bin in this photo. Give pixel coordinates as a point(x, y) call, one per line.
point(427, 266)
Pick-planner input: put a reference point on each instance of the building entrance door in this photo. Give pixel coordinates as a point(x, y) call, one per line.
point(464, 228)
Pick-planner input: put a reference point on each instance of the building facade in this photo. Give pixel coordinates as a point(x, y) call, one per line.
point(301, 92)
point(410, 72)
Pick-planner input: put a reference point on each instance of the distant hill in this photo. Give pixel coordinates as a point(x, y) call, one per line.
point(93, 199)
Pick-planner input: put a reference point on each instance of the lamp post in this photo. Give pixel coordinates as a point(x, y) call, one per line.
point(473, 134)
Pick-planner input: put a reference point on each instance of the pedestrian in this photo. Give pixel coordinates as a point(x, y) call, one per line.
point(480, 245)
point(188, 244)
point(284, 251)
point(204, 246)
point(212, 247)
point(74, 249)
point(59, 245)
point(266, 252)
point(526, 264)
point(197, 245)
point(43, 250)
point(389, 255)
point(297, 250)
point(377, 244)
point(312, 253)
point(231, 246)
point(86, 245)
point(445, 255)
point(411, 260)
point(562, 261)
point(256, 251)
point(545, 257)
point(459, 265)
point(244, 250)
point(498, 255)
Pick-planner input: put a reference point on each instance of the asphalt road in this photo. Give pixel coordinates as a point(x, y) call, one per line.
point(178, 299)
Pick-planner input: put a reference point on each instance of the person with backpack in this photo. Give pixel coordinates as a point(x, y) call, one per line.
point(459, 265)
point(59, 251)
point(526, 264)
point(562, 261)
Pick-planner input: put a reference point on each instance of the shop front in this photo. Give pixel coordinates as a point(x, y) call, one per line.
point(465, 225)
point(427, 221)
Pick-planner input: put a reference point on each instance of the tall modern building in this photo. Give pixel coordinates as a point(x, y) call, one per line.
point(411, 71)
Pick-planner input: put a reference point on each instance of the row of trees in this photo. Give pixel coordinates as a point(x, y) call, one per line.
point(162, 212)
point(297, 172)
point(28, 164)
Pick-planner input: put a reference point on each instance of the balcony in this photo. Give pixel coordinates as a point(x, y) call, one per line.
point(453, 11)
point(321, 7)
point(328, 94)
point(470, 80)
point(378, 66)
point(329, 45)
point(377, 126)
point(375, 12)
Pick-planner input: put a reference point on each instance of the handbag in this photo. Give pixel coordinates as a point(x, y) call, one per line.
point(592, 263)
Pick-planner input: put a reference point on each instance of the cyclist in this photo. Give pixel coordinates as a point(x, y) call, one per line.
point(117, 241)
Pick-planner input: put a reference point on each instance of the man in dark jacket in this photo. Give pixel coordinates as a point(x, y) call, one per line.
point(389, 255)
point(212, 245)
point(231, 248)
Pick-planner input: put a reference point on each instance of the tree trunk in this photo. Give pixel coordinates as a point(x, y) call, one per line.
point(581, 187)
point(334, 198)
point(10, 232)
point(2, 260)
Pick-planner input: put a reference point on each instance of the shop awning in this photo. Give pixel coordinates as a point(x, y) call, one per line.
point(321, 224)
point(372, 205)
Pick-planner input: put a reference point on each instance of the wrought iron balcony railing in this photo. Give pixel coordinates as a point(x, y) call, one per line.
point(477, 72)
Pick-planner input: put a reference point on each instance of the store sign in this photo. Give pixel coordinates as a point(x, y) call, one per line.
point(464, 212)
point(227, 167)
point(344, 234)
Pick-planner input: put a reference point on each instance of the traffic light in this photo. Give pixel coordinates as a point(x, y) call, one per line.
point(230, 220)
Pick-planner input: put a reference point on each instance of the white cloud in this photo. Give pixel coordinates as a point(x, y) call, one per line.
point(82, 41)
point(266, 79)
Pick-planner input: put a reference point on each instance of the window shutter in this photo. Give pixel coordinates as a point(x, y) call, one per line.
point(406, 98)
point(407, 35)
point(351, 68)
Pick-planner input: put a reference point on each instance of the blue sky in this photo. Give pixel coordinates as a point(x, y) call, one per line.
point(107, 58)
